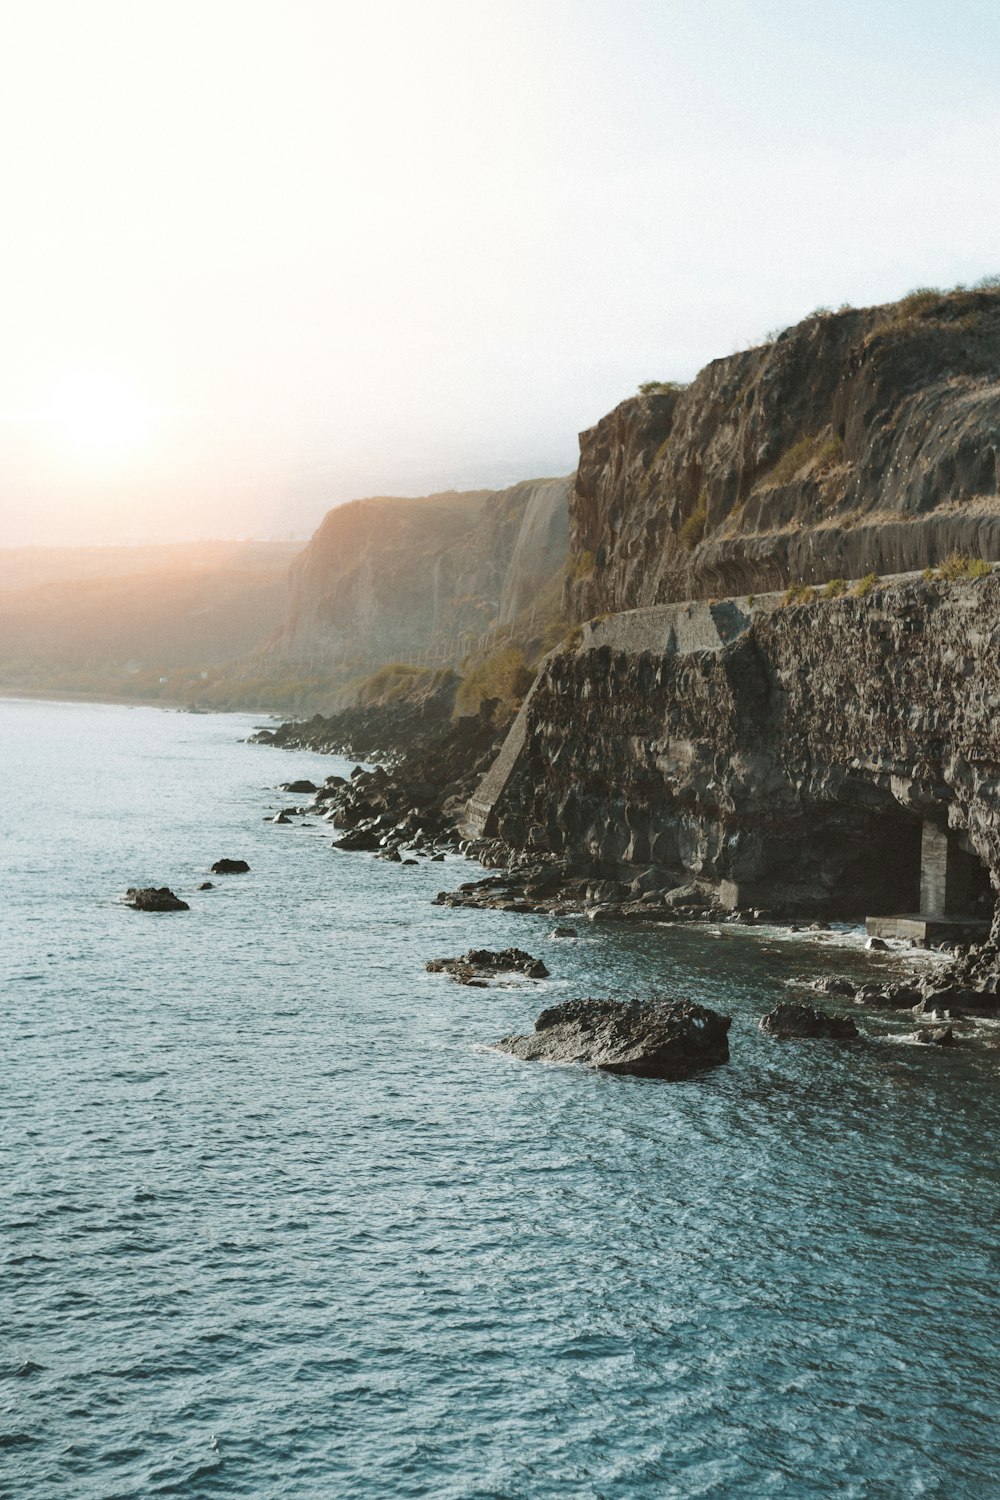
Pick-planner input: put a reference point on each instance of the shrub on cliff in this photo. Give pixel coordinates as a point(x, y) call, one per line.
point(790, 462)
point(662, 387)
point(504, 675)
point(957, 567)
point(798, 593)
point(693, 529)
point(865, 585)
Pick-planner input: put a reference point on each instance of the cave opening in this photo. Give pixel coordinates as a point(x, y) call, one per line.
point(935, 888)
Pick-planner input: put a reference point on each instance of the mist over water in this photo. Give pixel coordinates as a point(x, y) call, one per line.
point(274, 1222)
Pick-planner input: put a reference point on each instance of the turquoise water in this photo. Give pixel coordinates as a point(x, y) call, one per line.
point(274, 1222)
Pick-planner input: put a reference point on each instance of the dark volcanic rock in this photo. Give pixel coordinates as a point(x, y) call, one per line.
point(152, 898)
point(650, 1039)
point(230, 867)
point(781, 747)
point(432, 764)
point(881, 419)
point(788, 755)
point(299, 786)
point(792, 1019)
point(206, 885)
point(481, 963)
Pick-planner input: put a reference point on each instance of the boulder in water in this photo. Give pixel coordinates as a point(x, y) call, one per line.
point(483, 963)
point(230, 867)
point(154, 898)
point(650, 1039)
point(793, 1019)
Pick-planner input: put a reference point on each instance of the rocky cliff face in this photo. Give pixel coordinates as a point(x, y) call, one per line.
point(786, 756)
point(388, 579)
point(864, 440)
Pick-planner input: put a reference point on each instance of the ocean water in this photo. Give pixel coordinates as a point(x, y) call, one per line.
point(275, 1221)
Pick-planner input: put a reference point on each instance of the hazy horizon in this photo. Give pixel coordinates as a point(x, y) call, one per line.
point(264, 259)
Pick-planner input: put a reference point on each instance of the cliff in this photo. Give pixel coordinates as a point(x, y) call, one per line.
point(786, 755)
point(866, 440)
point(427, 579)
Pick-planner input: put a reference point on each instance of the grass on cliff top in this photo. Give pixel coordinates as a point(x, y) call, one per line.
point(916, 304)
point(662, 387)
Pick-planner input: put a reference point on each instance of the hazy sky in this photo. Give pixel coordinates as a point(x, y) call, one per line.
point(261, 256)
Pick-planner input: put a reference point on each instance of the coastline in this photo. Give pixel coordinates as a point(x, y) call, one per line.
point(68, 695)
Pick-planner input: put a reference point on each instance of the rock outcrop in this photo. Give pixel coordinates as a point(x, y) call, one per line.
point(649, 1039)
point(861, 441)
point(784, 756)
point(230, 867)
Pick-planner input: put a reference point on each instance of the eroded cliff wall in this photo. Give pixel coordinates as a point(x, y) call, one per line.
point(858, 441)
point(785, 755)
point(389, 579)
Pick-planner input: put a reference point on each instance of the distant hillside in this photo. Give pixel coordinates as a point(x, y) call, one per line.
point(119, 619)
point(20, 567)
point(430, 579)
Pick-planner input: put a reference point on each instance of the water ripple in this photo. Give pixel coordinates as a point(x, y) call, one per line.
point(277, 1222)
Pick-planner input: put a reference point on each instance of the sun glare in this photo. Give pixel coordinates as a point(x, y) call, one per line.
point(94, 414)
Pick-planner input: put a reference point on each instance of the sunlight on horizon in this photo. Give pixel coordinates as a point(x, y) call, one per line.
point(261, 259)
point(95, 417)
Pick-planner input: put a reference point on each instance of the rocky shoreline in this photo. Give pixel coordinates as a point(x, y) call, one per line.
point(410, 810)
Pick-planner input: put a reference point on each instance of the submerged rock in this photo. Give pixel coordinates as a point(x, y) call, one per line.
point(230, 867)
point(935, 1036)
point(650, 1039)
point(154, 898)
point(835, 985)
point(482, 963)
point(793, 1019)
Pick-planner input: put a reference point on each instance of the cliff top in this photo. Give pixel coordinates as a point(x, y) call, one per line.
point(860, 440)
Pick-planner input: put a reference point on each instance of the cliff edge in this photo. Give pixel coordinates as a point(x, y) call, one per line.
point(866, 440)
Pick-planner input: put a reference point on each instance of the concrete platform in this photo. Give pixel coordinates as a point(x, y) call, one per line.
point(925, 931)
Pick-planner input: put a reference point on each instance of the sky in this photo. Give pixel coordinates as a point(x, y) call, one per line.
point(260, 257)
